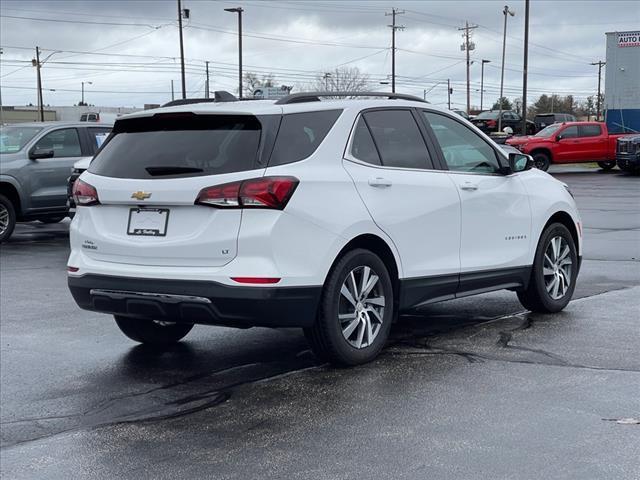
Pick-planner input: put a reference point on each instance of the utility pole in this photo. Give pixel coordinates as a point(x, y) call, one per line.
point(482, 82)
point(172, 96)
point(40, 102)
point(525, 66)
point(394, 27)
point(449, 92)
point(600, 64)
point(239, 11)
point(184, 87)
point(326, 81)
point(206, 92)
point(468, 46)
point(505, 12)
point(82, 101)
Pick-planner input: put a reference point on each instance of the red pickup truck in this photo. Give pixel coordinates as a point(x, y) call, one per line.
point(570, 142)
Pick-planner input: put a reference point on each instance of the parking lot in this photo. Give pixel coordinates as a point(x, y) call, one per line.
point(473, 388)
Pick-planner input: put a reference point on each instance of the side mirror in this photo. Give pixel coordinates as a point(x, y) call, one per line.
point(558, 138)
point(519, 162)
point(38, 153)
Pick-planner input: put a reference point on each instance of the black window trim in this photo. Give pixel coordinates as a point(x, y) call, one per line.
point(431, 162)
point(500, 155)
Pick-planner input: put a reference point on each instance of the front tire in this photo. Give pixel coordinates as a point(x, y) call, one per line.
point(554, 272)
point(7, 218)
point(355, 311)
point(541, 161)
point(152, 332)
point(607, 165)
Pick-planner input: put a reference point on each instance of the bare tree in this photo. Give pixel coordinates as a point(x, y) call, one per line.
point(252, 81)
point(342, 79)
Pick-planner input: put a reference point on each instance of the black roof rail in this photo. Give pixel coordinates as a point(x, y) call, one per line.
point(218, 96)
point(315, 96)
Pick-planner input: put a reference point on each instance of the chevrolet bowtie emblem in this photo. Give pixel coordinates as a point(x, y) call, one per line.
point(140, 195)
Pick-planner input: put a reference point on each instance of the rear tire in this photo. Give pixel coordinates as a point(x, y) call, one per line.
point(554, 272)
point(607, 165)
point(355, 311)
point(7, 218)
point(541, 161)
point(152, 332)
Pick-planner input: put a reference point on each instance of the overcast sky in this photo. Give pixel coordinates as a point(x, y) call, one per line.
point(129, 49)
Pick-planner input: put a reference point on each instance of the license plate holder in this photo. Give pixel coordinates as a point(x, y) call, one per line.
point(148, 222)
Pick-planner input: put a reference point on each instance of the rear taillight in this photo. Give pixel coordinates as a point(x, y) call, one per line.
point(264, 192)
point(84, 194)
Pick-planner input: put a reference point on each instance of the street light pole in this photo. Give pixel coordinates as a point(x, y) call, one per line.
point(482, 82)
point(239, 11)
point(505, 12)
point(40, 103)
point(88, 83)
point(206, 93)
point(525, 67)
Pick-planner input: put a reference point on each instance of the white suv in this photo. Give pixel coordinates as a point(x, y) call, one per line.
point(330, 215)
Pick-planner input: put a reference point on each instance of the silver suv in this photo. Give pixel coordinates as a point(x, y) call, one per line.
point(35, 162)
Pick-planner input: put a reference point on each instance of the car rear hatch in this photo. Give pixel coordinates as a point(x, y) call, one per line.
point(147, 179)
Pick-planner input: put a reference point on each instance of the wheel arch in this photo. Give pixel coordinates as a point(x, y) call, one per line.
point(544, 150)
point(381, 248)
point(565, 219)
point(11, 192)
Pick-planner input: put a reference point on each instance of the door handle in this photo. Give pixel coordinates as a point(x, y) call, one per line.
point(469, 186)
point(379, 182)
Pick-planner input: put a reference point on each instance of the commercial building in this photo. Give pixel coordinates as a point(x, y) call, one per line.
point(622, 82)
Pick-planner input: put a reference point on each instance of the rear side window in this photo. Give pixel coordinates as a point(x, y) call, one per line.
point(590, 130)
point(362, 146)
point(300, 135)
point(398, 139)
point(179, 145)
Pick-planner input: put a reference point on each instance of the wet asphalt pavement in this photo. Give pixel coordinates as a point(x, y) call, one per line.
point(469, 389)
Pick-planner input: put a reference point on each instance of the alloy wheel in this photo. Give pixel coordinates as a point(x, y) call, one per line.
point(557, 266)
point(361, 308)
point(4, 219)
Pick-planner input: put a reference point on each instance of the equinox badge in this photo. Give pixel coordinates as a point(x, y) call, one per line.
point(140, 195)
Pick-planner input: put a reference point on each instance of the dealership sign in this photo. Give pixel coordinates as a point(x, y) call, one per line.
point(629, 39)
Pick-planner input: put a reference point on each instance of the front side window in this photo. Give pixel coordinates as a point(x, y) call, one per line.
point(463, 150)
point(398, 139)
point(569, 132)
point(64, 143)
point(590, 130)
point(362, 146)
point(300, 135)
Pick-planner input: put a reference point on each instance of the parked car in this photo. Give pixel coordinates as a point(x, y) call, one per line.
point(462, 113)
point(99, 117)
point(79, 167)
point(570, 142)
point(488, 122)
point(332, 215)
point(543, 120)
point(628, 153)
point(36, 159)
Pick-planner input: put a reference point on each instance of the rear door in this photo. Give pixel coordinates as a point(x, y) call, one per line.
point(48, 176)
point(148, 175)
point(593, 145)
point(495, 215)
point(414, 204)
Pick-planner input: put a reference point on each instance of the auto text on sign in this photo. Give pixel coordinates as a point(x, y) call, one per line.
point(629, 39)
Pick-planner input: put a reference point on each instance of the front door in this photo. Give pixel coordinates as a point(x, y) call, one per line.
point(495, 225)
point(49, 175)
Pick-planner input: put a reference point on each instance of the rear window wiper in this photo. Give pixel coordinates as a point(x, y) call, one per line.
point(171, 170)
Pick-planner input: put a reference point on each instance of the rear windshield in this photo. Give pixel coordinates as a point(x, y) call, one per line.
point(179, 145)
point(487, 115)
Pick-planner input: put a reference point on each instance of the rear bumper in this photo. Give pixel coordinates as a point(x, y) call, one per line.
point(201, 302)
